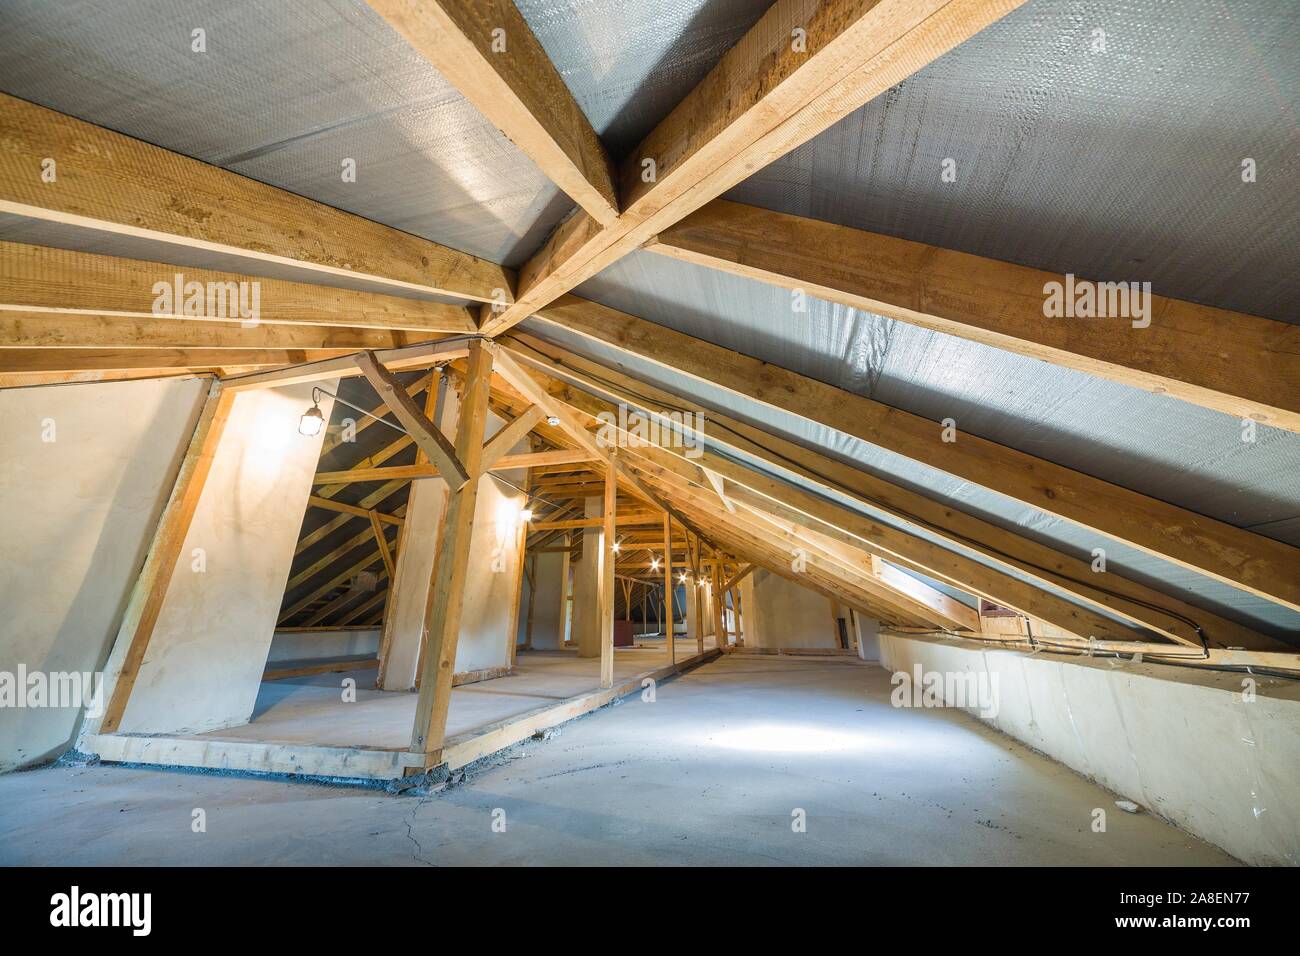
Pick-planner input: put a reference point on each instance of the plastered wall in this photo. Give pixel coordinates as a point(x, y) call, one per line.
point(209, 648)
point(1185, 744)
point(788, 615)
point(77, 515)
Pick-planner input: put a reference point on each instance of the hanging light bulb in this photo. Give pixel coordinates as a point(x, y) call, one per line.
point(312, 422)
point(682, 579)
point(617, 547)
point(654, 564)
point(525, 515)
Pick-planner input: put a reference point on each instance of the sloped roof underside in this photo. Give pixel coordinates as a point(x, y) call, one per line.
point(1117, 165)
point(1123, 164)
point(284, 94)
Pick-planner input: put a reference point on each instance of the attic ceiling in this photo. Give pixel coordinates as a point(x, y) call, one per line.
point(1123, 163)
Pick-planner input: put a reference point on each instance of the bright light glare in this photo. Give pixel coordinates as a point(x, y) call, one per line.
point(526, 515)
point(312, 422)
point(790, 738)
point(654, 564)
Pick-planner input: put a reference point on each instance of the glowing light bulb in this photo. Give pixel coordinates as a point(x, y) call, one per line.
point(525, 515)
point(312, 422)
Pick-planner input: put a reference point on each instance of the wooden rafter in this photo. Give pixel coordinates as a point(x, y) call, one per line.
point(424, 433)
point(487, 50)
point(111, 183)
point(766, 96)
point(1263, 566)
point(1192, 352)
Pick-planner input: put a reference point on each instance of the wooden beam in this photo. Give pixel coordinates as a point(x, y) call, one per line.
point(486, 49)
point(75, 360)
point(447, 589)
point(315, 501)
point(420, 355)
point(427, 380)
point(423, 432)
point(378, 527)
point(605, 577)
point(509, 435)
point(1126, 598)
point(111, 183)
point(51, 330)
point(62, 283)
point(668, 588)
point(1160, 612)
point(1191, 352)
point(146, 601)
point(1260, 565)
point(415, 472)
point(766, 96)
point(739, 576)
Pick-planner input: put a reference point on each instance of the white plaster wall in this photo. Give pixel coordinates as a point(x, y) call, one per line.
point(585, 625)
point(76, 519)
point(789, 615)
point(1182, 743)
point(209, 648)
point(493, 574)
point(547, 624)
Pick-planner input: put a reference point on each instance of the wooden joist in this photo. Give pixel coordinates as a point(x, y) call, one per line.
point(424, 433)
point(1260, 565)
point(75, 360)
point(486, 49)
point(766, 96)
point(1128, 599)
point(1242, 365)
point(62, 283)
point(111, 183)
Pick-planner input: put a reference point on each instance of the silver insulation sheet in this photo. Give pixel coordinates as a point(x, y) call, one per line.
point(1184, 454)
point(629, 63)
point(1117, 164)
point(285, 92)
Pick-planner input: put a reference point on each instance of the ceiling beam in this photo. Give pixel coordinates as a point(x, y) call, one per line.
point(1192, 352)
point(775, 89)
point(424, 433)
point(111, 183)
point(1129, 599)
point(486, 49)
point(509, 435)
point(73, 360)
point(52, 330)
point(957, 531)
point(62, 281)
point(1263, 566)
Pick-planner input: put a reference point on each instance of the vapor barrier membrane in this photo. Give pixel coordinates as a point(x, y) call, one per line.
point(284, 93)
point(1122, 164)
point(757, 340)
point(628, 64)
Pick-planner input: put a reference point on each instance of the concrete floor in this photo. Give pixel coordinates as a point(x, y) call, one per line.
point(311, 710)
point(709, 773)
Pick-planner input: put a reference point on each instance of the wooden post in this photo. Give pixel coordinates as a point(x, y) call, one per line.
point(447, 591)
point(521, 549)
point(719, 609)
point(606, 580)
point(150, 589)
point(668, 585)
point(532, 601)
point(564, 590)
point(698, 593)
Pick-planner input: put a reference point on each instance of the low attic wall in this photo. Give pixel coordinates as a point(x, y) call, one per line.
point(1180, 742)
